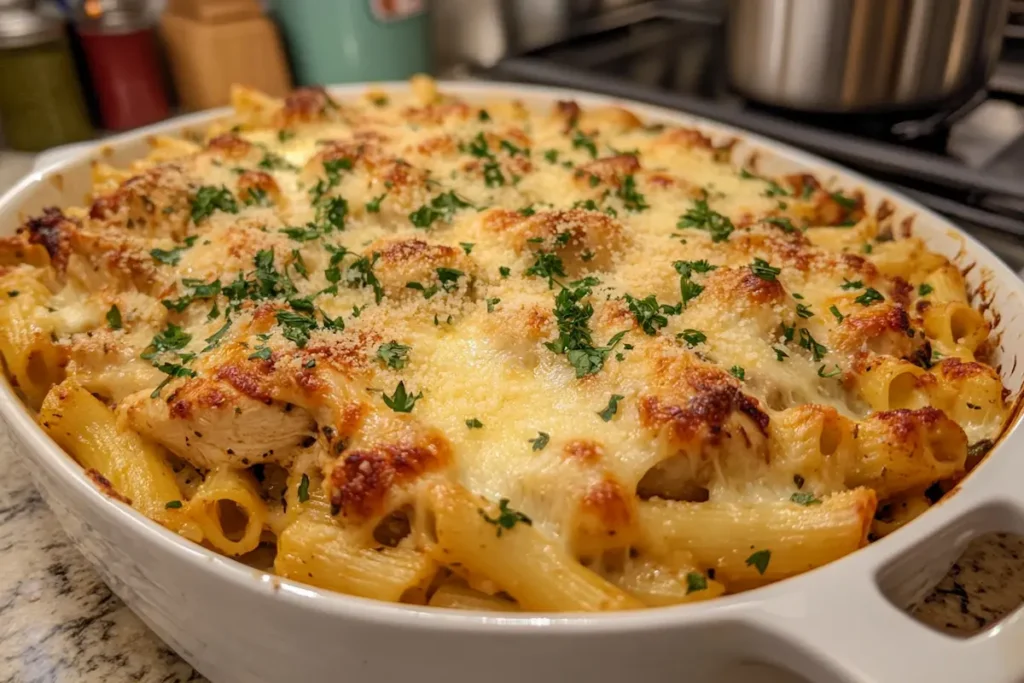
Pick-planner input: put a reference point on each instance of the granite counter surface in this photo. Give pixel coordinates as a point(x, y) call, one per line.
point(59, 623)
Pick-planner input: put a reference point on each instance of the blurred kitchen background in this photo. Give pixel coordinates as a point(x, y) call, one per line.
point(924, 95)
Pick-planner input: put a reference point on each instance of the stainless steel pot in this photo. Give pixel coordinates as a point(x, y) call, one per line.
point(862, 55)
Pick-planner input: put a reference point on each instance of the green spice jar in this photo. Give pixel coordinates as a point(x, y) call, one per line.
point(40, 102)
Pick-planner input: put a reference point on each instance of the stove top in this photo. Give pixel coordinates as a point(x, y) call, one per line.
point(965, 161)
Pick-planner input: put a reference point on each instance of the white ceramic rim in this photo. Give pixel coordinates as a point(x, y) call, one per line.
point(271, 587)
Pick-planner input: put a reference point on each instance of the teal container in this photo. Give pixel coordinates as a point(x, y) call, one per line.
point(344, 41)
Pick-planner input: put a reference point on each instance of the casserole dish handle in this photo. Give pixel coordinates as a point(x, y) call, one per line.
point(843, 625)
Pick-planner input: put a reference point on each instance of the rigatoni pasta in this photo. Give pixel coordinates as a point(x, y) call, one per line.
point(473, 355)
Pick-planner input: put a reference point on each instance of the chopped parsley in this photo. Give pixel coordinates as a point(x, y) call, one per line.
point(483, 116)
point(373, 206)
point(493, 177)
point(114, 318)
point(284, 135)
point(836, 372)
point(360, 274)
point(804, 311)
point(842, 200)
point(551, 156)
point(574, 336)
point(467, 247)
point(262, 352)
point(764, 270)
point(214, 339)
point(692, 337)
point(738, 372)
point(834, 310)
point(648, 313)
point(613, 406)
point(686, 268)
point(507, 517)
point(803, 498)
point(808, 342)
point(504, 271)
point(925, 289)
point(171, 257)
point(296, 327)
point(759, 560)
point(209, 199)
point(702, 217)
point(631, 199)
point(271, 162)
point(474, 423)
point(304, 488)
point(449, 278)
point(306, 234)
point(870, 296)
point(491, 303)
point(780, 355)
point(780, 222)
point(331, 213)
point(854, 284)
point(394, 355)
point(695, 581)
point(173, 505)
point(546, 265)
point(582, 141)
point(172, 370)
point(401, 401)
point(541, 441)
point(171, 338)
point(441, 207)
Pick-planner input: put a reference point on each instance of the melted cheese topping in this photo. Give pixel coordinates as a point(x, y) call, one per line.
point(281, 285)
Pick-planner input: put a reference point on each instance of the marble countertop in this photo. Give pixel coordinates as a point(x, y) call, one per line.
point(59, 623)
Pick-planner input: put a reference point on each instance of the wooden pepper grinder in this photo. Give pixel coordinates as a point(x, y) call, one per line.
point(213, 44)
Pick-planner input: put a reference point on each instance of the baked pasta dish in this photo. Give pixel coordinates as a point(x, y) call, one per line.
point(478, 355)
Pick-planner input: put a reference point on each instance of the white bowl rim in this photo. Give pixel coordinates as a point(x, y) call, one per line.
point(269, 586)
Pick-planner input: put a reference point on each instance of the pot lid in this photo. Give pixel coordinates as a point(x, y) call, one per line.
point(112, 16)
point(23, 28)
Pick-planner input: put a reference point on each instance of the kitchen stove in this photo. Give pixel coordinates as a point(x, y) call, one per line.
point(965, 160)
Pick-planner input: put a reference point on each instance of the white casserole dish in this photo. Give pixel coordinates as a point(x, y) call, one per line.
point(238, 625)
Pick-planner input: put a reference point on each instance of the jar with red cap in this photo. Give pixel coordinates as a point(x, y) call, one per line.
point(119, 41)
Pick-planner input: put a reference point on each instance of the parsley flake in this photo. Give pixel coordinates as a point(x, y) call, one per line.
point(304, 488)
point(764, 270)
point(114, 318)
point(870, 296)
point(692, 337)
point(474, 423)
point(582, 141)
point(738, 372)
point(441, 207)
point(401, 401)
point(394, 355)
point(925, 289)
point(507, 517)
point(209, 199)
point(803, 498)
point(702, 217)
point(613, 406)
point(759, 560)
point(541, 441)
point(695, 581)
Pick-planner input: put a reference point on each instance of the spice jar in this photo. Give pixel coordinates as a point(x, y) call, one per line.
point(40, 102)
point(213, 44)
point(119, 42)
